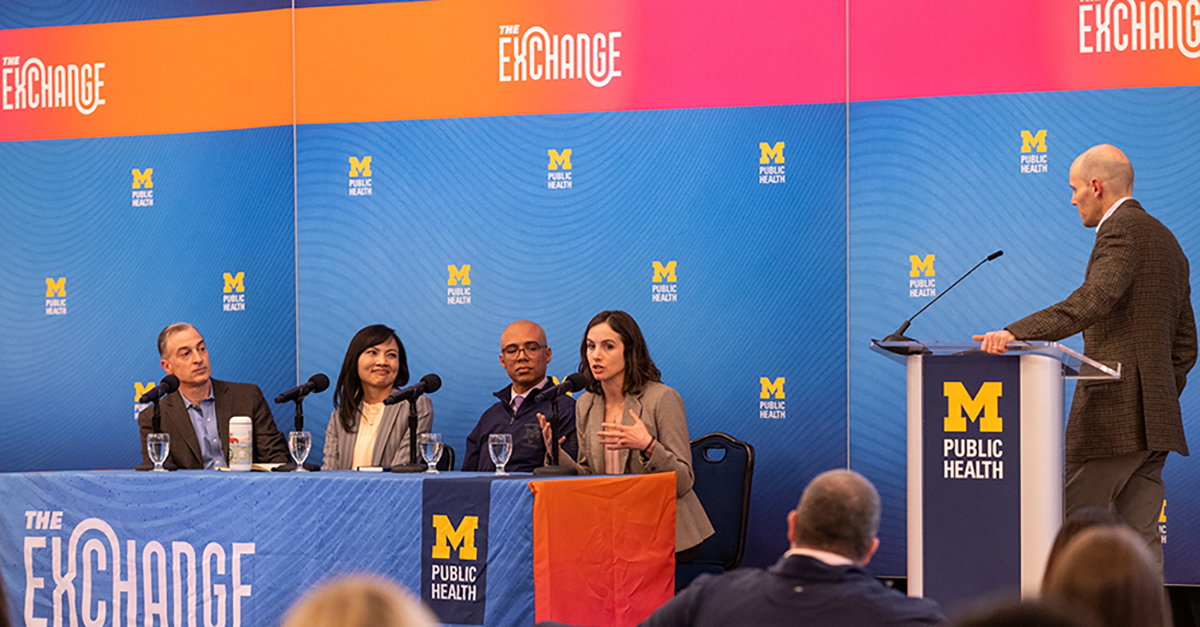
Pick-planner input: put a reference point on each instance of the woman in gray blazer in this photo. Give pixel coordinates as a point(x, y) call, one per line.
point(362, 431)
point(630, 423)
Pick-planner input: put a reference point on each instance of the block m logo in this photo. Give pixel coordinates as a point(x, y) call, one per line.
point(559, 160)
point(960, 401)
point(770, 153)
point(360, 168)
point(664, 272)
point(139, 389)
point(1029, 141)
point(771, 387)
point(141, 179)
point(461, 538)
point(56, 288)
point(919, 265)
point(235, 283)
point(457, 276)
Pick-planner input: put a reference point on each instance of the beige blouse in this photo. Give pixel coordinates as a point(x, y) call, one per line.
point(368, 428)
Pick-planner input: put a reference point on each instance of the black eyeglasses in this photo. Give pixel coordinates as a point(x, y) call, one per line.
point(531, 349)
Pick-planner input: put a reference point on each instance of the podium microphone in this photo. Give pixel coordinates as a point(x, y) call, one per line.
point(169, 384)
point(899, 336)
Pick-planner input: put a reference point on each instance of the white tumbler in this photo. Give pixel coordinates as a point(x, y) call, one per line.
point(241, 443)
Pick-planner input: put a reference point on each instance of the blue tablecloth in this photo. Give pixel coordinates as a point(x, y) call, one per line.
point(244, 546)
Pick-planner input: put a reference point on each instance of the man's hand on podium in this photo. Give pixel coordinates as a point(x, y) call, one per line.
point(994, 342)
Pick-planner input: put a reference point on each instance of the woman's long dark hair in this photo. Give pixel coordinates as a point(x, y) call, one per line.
point(639, 368)
point(347, 396)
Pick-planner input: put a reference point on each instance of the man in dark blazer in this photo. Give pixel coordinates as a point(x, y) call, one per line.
point(820, 582)
point(525, 357)
point(197, 415)
point(1135, 308)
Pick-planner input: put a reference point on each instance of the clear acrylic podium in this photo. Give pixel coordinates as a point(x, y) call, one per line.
point(985, 462)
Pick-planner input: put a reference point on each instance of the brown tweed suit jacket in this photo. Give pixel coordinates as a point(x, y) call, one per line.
point(231, 399)
point(1134, 307)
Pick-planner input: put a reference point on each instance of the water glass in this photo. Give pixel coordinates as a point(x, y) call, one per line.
point(158, 445)
point(299, 443)
point(500, 448)
point(431, 450)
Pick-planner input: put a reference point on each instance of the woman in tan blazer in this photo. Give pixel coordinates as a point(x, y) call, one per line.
point(630, 423)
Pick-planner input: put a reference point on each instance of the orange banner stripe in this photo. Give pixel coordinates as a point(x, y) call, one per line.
point(179, 75)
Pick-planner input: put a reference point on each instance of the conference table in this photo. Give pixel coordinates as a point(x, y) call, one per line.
point(224, 549)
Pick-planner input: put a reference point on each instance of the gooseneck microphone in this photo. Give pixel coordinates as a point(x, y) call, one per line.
point(573, 383)
point(316, 384)
point(428, 384)
point(899, 336)
point(169, 384)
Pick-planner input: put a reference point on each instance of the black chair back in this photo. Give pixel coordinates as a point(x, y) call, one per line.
point(446, 461)
point(724, 468)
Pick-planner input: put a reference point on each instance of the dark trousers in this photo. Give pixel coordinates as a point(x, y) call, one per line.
point(1131, 485)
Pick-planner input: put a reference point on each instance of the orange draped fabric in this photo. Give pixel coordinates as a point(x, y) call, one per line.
point(603, 548)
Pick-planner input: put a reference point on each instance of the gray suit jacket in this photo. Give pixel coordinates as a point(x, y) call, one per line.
point(391, 440)
point(1134, 307)
point(661, 409)
point(231, 399)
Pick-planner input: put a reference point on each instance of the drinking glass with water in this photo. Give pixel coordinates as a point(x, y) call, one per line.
point(431, 450)
point(500, 448)
point(299, 444)
point(158, 445)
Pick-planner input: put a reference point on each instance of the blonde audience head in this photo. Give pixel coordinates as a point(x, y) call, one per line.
point(358, 601)
point(1107, 574)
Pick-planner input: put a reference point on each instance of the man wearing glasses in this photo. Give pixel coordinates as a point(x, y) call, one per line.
point(524, 356)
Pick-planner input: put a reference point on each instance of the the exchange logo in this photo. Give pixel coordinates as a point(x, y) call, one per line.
point(662, 284)
point(973, 458)
point(1033, 152)
point(360, 176)
point(93, 551)
point(143, 187)
point(559, 175)
point(770, 163)
point(918, 286)
point(234, 297)
point(56, 296)
point(771, 399)
point(33, 84)
point(540, 56)
point(1140, 26)
point(458, 290)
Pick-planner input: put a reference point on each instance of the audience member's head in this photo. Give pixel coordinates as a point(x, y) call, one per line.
point(1084, 518)
point(1027, 614)
point(1108, 574)
point(358, 601)
point(838, 513)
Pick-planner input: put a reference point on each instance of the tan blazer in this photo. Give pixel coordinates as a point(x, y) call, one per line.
point(1134, 307)
point(391, 440)
point(661, 409)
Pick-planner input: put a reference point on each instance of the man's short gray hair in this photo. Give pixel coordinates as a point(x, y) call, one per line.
point(839, 513)
point(166, 334)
